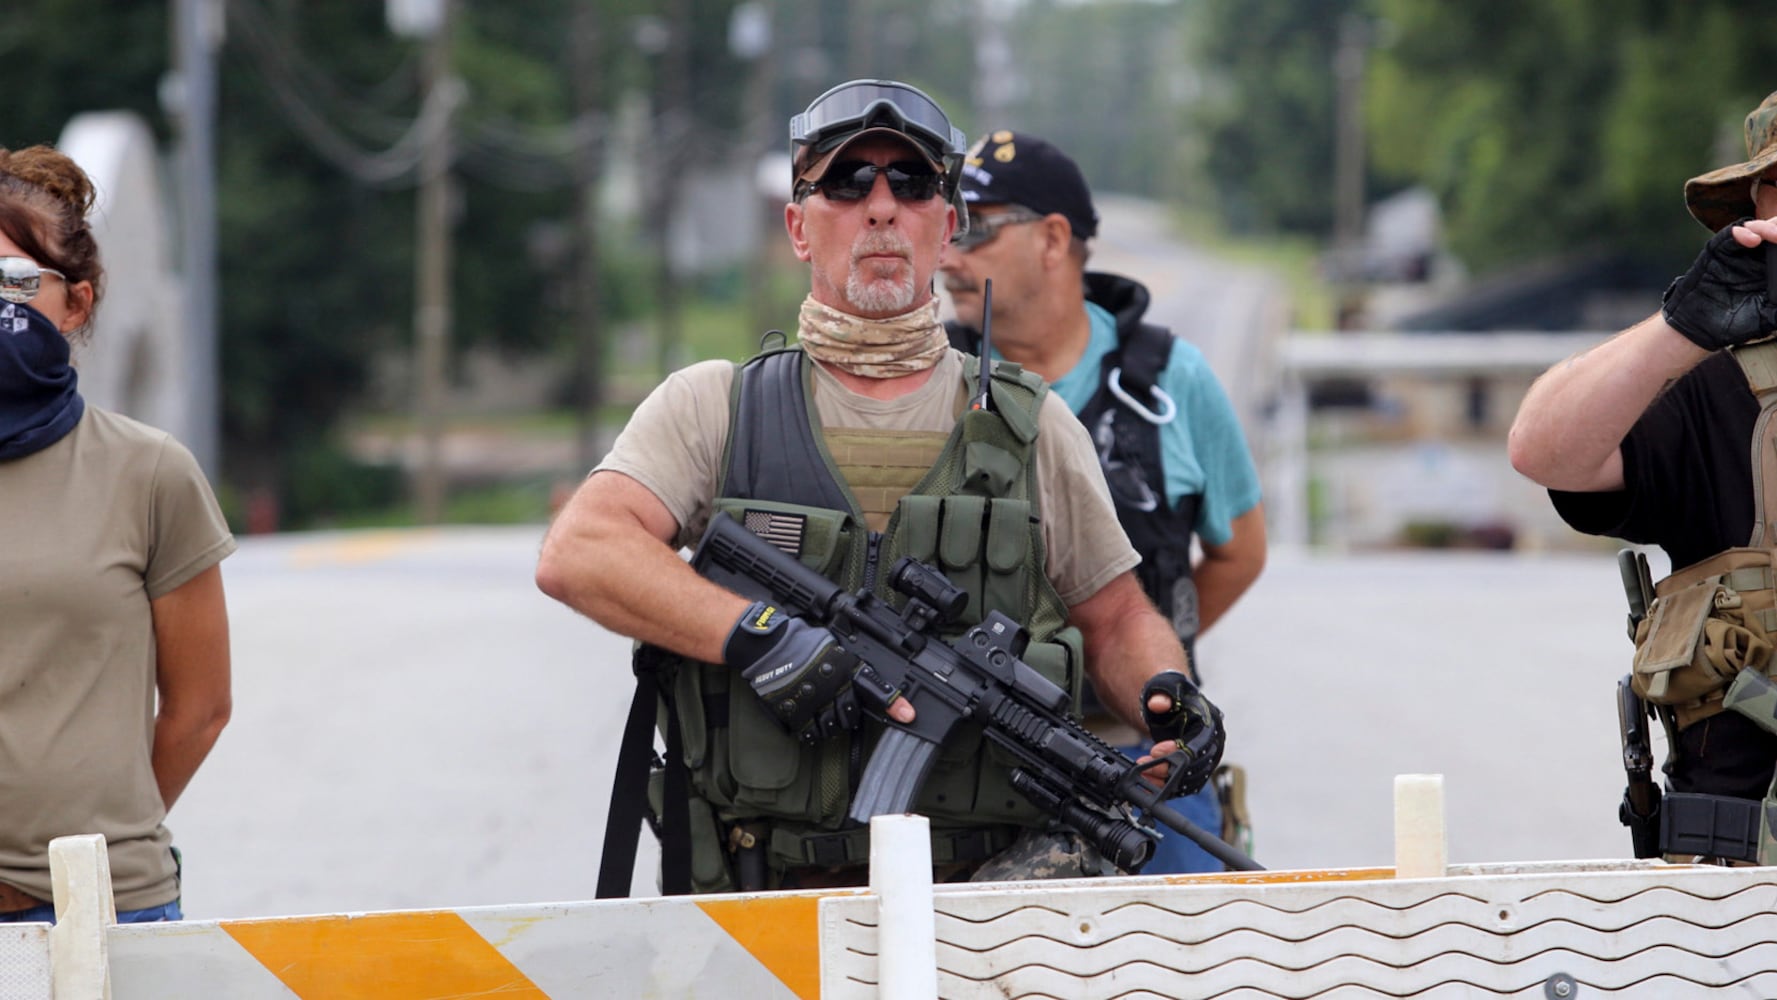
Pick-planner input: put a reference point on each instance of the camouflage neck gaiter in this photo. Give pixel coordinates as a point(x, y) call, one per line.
point(873, 348)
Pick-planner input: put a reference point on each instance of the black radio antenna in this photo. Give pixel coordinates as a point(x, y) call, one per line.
point(983, 400)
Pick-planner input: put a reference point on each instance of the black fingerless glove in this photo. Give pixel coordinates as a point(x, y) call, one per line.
point(1193, 722)
point(1721, 301)
point(798, 671)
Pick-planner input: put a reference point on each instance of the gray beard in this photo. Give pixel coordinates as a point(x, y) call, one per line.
point(886, 296)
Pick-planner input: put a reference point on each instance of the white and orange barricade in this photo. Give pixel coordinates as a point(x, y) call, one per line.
point(1624, 929)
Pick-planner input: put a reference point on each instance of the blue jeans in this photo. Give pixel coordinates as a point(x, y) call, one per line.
point(46, 914)
point(1177, 854)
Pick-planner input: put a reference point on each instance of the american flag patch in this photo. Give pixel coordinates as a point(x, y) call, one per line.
point(781, 530)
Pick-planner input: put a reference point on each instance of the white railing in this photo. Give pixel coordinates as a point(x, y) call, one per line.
point(1305, 358)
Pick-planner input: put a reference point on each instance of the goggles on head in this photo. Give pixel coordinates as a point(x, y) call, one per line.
point(20, 277)
point(853, 107)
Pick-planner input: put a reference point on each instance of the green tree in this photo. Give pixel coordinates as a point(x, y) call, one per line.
point(1263, 120)
point(1548, 128)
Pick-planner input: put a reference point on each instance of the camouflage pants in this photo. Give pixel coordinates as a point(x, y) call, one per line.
point(1044, 854)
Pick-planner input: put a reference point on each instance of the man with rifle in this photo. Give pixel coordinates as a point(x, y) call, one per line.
point(866, 441)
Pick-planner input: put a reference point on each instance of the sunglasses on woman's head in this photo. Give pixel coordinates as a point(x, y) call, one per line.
point(20, 277)
point(852, 181)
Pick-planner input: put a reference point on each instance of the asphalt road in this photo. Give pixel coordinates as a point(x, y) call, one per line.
point(416, 726)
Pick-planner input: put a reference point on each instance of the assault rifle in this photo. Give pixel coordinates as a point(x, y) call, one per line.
point(1062, 767)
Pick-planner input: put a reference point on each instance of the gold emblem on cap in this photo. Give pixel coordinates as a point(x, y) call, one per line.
point(1005, 153)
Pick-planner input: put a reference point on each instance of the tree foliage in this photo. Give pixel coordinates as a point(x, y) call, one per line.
point(1263, 120)
point(1543, 128)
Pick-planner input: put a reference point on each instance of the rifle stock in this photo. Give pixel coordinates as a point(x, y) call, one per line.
point(1062, 768)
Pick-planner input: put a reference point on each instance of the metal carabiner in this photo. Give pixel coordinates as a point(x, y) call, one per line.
point(1168, 409)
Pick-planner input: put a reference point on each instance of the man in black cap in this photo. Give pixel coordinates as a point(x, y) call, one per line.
point(841, 451)
point(1167, 438)
point(1661, 436)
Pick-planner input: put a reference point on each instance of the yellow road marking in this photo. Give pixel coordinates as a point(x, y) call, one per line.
point(358, 547)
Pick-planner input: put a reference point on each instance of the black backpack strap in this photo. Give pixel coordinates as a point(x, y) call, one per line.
point(629, 793)
point(1144, 353)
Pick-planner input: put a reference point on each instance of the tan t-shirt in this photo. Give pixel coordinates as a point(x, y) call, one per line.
point(92, 528)
point(673, 446)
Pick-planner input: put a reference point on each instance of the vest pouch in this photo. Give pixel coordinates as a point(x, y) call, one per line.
point(772, 770)
point(1709, 621)
point(949, 791)
point(919, 517)
point(959, 551)
point(1008, 540)
point(989, 470)
point(822, 537)
point(1671, 666)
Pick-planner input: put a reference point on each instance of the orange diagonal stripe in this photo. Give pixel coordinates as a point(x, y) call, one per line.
point(384, 956)
point(782, 932)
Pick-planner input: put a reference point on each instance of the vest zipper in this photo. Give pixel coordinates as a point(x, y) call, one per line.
point(872, 555)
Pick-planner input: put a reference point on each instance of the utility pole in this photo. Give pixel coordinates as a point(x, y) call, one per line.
point(1348, 157)
point(668, 37)
point(431, 21)
point(197, 31)
point(995, 70)
point(750, 39)
point(589, 333)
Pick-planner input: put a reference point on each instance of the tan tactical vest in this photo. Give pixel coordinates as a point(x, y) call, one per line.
point(1717, 617)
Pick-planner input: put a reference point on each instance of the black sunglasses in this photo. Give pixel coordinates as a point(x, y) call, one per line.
point(852, 181)
point(983, 228)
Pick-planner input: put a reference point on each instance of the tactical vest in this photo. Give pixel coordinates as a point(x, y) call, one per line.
point(1705, 646)
point(1124, 418)
point(1718, 616)
point(848, 503)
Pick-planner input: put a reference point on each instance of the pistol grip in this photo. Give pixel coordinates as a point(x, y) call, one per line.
point(895, 774)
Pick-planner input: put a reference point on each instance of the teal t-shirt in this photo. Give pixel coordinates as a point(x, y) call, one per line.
point(1203, 448)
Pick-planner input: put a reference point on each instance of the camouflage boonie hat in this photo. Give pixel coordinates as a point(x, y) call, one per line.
point(1722, 197)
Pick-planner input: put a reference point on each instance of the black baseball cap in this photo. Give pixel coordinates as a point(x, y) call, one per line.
point(1017, 168)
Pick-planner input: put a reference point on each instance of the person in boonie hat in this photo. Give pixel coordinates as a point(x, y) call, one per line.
point(1725, 196)
point(1653, 436)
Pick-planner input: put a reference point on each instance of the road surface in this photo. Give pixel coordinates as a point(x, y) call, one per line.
point(416, 726)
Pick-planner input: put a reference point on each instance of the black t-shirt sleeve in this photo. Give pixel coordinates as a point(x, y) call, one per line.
point(1687, 470)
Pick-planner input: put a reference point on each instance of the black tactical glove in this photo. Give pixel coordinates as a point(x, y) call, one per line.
point(1721, 301)
point(798, 671)
point(1194, 723)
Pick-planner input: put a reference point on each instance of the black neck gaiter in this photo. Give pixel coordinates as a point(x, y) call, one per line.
point(39, 403)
